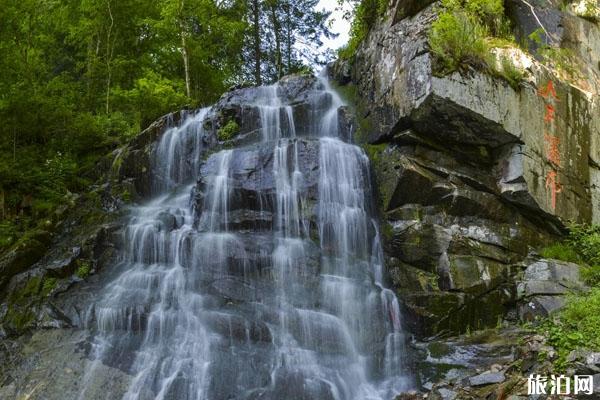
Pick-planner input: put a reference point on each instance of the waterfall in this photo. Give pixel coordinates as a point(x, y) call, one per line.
point(291, 305)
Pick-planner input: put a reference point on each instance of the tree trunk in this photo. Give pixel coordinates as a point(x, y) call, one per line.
point(289, 34)
point(277, 32)
point(256, 34)
point(109, 52)
point(184, 52)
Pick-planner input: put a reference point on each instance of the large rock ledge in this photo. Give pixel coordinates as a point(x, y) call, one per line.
point(392, 72)
point(473, 176)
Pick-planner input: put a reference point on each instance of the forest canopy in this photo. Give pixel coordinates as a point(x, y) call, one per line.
point(79, 77)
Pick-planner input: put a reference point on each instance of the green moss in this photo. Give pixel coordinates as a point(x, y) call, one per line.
point(439, 349)
point(30, 290)
point(229, 131)
point(19, 319)
point(19, 314)
point(387, 230)
point(374, 151)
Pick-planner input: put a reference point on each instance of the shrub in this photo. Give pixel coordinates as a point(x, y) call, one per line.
point(84, 269)
point(586, 240)
point(228, 131)
point(578, 324)
point(366, 14)
point(489, 13)
point(458, 41)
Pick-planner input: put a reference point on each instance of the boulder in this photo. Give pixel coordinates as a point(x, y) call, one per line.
point(487, 378)
point(544, 285)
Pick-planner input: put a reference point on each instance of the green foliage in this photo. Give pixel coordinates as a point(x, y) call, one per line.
point(486, 12)
point(577, 326)
point(463, 34)
point(586, 240)
point(84, 269)
point(228, 131)
point(458, 41)
point(581, 246)
point(591, 274)
point(8, 234)
point(48, 285)
point(78, 79)
point(561, 251)
point(512, 74)
point(366, 14)
point(562, 59)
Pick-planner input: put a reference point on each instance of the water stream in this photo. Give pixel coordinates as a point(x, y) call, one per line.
point(283, 299)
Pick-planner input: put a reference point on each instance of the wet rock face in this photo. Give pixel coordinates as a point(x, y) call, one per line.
point(252, 180)
point(132, 165)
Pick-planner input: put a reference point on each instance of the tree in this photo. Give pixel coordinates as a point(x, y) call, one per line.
point(286, 37)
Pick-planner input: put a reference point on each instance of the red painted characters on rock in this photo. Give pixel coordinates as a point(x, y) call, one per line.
point(552, 142)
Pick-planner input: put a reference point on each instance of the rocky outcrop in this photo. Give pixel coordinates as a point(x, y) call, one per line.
point(473, 174)
point(543, 287)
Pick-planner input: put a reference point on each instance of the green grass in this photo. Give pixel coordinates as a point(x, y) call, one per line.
point(458, 41)
point(463, 35)
point(561, 251)
point(578, 324)
point(511, 73)
point(581, 246)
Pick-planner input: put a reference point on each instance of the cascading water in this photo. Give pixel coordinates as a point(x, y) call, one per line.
point(288, 306)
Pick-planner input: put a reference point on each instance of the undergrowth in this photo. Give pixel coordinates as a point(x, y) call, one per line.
point(465, 33)
point(577, 325)
point(366, 14)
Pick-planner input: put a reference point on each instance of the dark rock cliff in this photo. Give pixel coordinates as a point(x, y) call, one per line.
point(473, 179)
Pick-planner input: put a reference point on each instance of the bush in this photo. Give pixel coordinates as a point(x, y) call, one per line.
point(577, 326)
point(228, 131)
point(365, 16)
point(84, 269)
point(463, 33)
point(586, 240)
point(582, 246)
point(457, 41)
point(487, 12)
